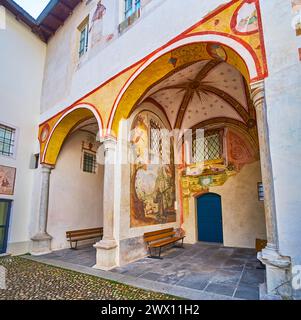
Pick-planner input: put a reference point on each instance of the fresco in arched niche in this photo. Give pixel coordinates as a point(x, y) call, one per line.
point(239, 153)
point(245, 19)
point(152, 185)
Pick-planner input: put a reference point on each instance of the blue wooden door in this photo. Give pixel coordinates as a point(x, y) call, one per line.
point(5, 206)
point(210, 223)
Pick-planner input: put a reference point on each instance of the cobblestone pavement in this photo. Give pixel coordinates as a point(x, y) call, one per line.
point(29, 280)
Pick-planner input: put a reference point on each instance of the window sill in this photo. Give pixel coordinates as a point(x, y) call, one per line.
point(124, 25)
point(12, 157)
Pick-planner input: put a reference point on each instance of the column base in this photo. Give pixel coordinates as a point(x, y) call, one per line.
point(277, 272)
point(263, 294)
point(106, 255)
point(41, 244)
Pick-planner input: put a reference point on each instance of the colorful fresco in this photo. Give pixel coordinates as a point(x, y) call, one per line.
point(152, 185)
point(296, 5)
point(245, 20)
point(7, 180)
point(217, 51)
point(214, 173)
point(96, 29)
point(114, 99)
point(239, 153)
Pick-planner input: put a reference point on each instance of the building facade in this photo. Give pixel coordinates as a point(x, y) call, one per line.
point(221, 79)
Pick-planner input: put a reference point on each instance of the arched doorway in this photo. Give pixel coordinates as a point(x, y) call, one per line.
point(209, 218)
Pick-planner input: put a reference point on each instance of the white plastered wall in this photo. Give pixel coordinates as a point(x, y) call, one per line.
point(75, 197)
point(283, 99)
point(22, 58)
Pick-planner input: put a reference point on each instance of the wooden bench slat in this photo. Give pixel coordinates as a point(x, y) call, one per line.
point(84, 230)
point(84, 234)
point(165, 242)
point(153, 233)
point(86, 237)
point(93, 235)
point(159, 236)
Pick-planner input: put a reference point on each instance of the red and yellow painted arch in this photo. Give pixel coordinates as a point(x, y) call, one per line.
point(219, 33)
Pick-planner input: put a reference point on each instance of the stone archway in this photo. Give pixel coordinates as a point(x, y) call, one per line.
point(53, 141)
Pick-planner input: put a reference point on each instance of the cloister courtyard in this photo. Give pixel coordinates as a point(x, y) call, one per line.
point(150, 150)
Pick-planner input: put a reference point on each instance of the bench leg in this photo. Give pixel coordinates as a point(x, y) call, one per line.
point(154, 257)
point(181, 246)
point(160, 253)
point(150, 252)
point(73, 247)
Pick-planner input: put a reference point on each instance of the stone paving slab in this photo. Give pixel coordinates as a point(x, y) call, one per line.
point(202, 270)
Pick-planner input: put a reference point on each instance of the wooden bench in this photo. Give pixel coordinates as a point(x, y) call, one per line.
point(85, 234)
point(161, 238)
point(260, 244)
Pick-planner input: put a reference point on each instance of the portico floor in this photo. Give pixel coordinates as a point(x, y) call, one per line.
point(201, 271)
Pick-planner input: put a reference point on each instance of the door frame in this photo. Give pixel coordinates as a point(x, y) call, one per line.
point(9, 202)
point(196, 197)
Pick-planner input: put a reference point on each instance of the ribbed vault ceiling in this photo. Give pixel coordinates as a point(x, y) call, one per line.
point(202, 91)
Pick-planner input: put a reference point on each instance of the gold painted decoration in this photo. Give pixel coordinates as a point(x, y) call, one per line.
point(238, 20)
point(217, 51)
point(45, 131)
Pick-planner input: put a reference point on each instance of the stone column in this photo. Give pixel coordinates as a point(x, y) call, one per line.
point(276, 265)
point(42, 240)
point(107, 247)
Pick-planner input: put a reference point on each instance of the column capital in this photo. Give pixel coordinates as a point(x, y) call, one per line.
point(106, 152)
point(46, 168)
point(258, 93)
point(109, 143)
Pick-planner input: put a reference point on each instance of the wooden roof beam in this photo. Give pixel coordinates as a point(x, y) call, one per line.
point(66, 7)
point(57, 18)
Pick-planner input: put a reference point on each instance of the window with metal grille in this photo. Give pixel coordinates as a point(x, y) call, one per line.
point(207, 148)
point(89, 162)
point(155, 139)
point(7, 140)
point(83, 38)
point(131, 6)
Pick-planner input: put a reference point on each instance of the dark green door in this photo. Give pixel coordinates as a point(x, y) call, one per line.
point(210, 223)
point(5, 206)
